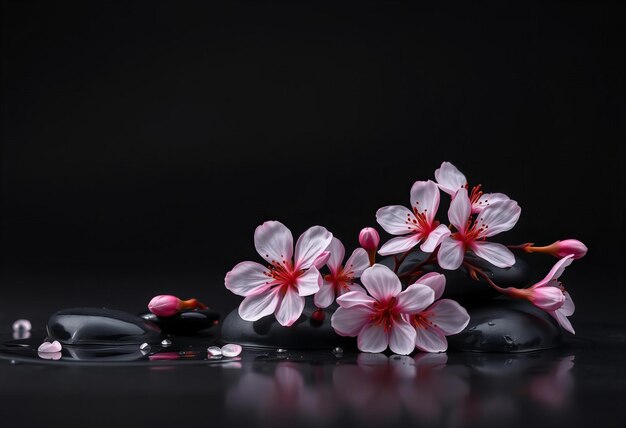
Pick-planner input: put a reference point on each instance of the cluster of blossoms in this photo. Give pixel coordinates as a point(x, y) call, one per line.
point(372, 303)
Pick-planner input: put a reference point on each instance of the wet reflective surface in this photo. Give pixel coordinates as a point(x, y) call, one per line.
point(582, 383)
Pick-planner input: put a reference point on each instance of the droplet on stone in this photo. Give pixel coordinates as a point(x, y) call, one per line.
point(337, 351)
point(491, 323)
point(166, 342)
point(231, 350)
point(23, 325)
point(145, 347)
point(281, 350)
point(214, 351)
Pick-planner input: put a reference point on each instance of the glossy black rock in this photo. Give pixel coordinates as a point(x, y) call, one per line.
point(504, 325)
point(460, 286)
point(188, 322)
point(305, 333)
point(100, 326)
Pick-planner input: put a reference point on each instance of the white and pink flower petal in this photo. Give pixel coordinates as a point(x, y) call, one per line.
point(568, 307)
point(434, 238)
point(310, 245)
point(558, 269)
point(415, 299)
point(400, 244)
point(402, 337)
point(460, 210)
point(350, 321)
point(498, 217)
point(337, 253)
point(496, 254)
point(274, 242)
point(357, 263)
point(355, 298)
point(255, 307)
point(449, 178)
point(425, 198)
point(448, 316)
point(430, 340)
point(396, 219)
point(547, 298)
point(289, 308)
point(373, 338)
point(248, 278)
point(487, 199)
point(309, 282)
point(352, 286)
point(451, 253)
point(326, 296)
point(434, 280)
point(321, 260)
point(562, 320)
point(381, 282)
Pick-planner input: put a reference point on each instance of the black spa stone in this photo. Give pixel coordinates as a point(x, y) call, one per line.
point(100, 326)
point(185, 323)
point(305, 333)
point(504, 325)
point(459, 285)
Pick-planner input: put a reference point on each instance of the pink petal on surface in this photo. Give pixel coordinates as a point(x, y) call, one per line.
point(381, 282)
point(448, 316)
point(309, 282)
point(450, 254)
point(487, 199)
point(355, 298)
point(48, 347)
point(499, 217)
point(290, 308)
point(400, 244)
point(350, 321)
point(402, 338)
point(326, 296)
point(496, 254)
point(434, 280)
point(425, 198)
point(396, 219)
point(231, 350)
point(563, 321)
point(337, 253)
point(310, 245)
point(415, 299)
point(357, 263)
point(257, 306)
point(430, 340)
point(449, 178)
point(274, 242)
point(247, 278)
point(460, 209)
point(373, 338)
point(434, 238)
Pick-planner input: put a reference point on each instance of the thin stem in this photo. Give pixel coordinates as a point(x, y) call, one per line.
point(475, 271)
point(522, 247)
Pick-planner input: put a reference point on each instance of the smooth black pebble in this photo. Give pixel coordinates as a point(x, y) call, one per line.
point(100, 326)
point(504, 325)
point(185, 323)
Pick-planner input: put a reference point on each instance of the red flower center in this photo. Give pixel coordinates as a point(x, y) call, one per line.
point(385, 313)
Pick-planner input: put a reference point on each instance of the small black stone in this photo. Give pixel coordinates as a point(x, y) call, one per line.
point(305, 333)
point(188, 322)
point(504, 325)
point(100, 326)
point(460, 286)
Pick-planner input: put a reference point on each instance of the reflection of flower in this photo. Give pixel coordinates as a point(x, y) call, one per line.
point(554, 388)
point(471, 234)
point(378, 320)
point(280, 287)
point(418, 225)
point(340, 280)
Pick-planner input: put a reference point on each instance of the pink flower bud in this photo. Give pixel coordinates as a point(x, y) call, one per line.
point(164, 305)
point(569, 246)
point(369, 239)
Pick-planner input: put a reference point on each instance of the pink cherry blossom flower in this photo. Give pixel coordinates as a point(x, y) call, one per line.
point(379, 320)
point(340, 280)
point(550, 295)
point(450, 180)
point(443, 318)
point(471, 234)
point(414, 226)
point(280, 287)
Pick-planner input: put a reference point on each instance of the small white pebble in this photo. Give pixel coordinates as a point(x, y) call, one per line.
point(214, 351)
point(166, 342)
point(231, 350)
point(50, 347)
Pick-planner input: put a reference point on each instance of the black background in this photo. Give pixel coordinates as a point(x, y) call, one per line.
point(142, 143)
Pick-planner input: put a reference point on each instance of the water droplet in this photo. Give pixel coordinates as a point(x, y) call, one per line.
point(281, 350)
point(231, 350)
point(491, 323)
point(145, 347)
point(214, 351)
point(338, 351)
point(22, 324)
point(508, 340)
point(13, 362)
point(166, 342)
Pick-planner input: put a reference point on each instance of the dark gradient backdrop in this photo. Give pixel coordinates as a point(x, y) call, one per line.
point(142, 143)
